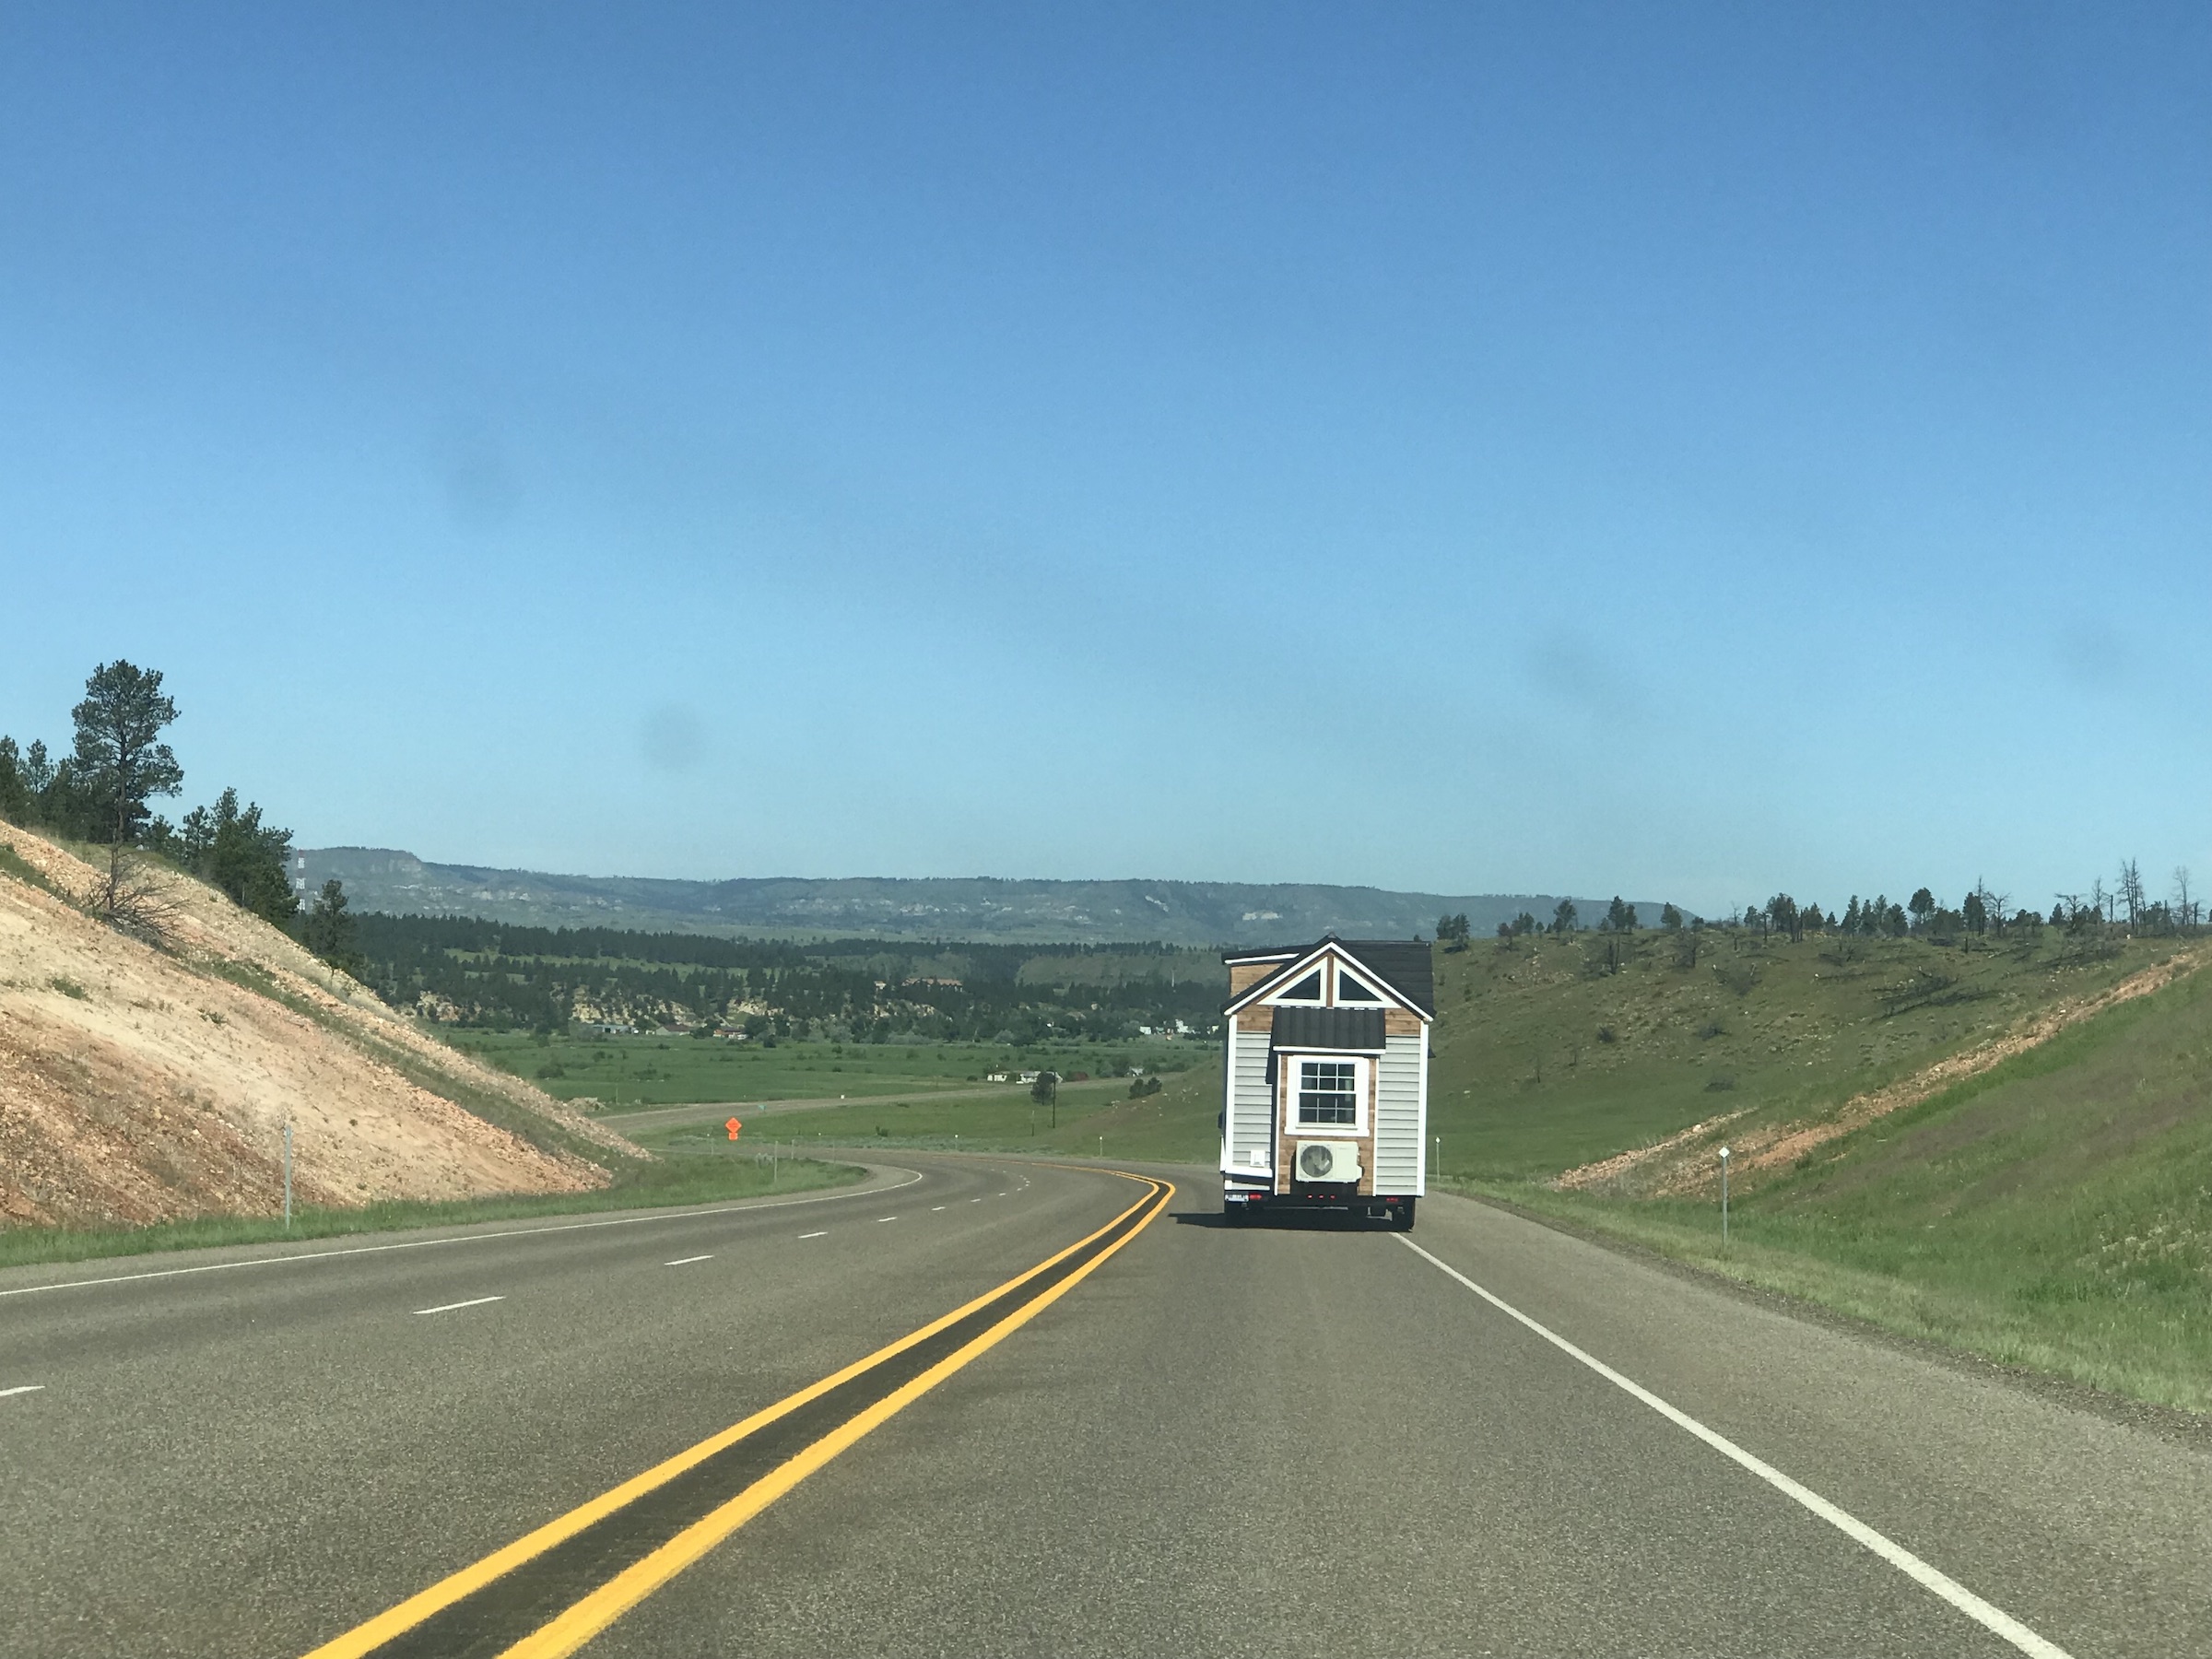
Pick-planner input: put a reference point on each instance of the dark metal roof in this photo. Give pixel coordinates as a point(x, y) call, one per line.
point(1403, 965)
point(1353, 1031)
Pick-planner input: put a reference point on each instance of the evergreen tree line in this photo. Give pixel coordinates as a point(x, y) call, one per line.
point(1983, 912)
point(490, 973)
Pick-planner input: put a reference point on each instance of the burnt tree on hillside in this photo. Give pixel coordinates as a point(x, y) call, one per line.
point(2131, 890)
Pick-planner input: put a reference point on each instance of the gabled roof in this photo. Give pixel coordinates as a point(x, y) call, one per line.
point(1402, 967)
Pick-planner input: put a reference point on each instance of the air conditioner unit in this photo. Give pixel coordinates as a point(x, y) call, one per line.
point(1327, 1160)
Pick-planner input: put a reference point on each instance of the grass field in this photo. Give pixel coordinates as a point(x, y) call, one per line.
point(2054, 1212)
point(1544, 1061)
point(674, 1180)
point(1096, 1119)
point(620, 1072)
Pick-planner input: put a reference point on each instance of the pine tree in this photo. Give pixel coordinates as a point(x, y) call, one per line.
point(121, 761)
point(327, 930)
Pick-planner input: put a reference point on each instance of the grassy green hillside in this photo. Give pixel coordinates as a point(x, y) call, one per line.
point(1547, 1058)
point(2054, 1211)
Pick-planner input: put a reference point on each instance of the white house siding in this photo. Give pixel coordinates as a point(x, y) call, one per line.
point(1252, 1116)
point(1399, 1116)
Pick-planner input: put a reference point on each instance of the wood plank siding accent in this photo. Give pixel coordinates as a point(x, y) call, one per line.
point(1243, 976)
point(1285, 1133)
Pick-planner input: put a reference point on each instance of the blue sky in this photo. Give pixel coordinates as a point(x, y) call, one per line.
point(1684, 451)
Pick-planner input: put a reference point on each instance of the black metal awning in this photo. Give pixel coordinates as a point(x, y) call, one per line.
point(1342, 1031)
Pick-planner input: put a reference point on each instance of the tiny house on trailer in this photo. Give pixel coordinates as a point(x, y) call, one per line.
point(1326, 1082)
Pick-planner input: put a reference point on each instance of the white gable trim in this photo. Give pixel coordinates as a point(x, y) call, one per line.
point(1267, 989)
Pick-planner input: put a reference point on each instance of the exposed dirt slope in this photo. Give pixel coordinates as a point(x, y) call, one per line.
point(1688, 1162)
point(141, 1084)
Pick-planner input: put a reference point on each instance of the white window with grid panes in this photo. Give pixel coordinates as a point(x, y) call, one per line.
point(1328, 1094)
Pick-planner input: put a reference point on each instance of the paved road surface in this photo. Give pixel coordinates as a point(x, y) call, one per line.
point(1222, 1441)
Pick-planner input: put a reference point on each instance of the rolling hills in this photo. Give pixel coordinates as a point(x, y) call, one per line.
point(978, 911)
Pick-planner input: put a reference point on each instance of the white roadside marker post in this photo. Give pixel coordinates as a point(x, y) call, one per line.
point(287, 1174)
point(1723, 1194)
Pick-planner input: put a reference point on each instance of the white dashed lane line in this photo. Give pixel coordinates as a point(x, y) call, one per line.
point(687, 1261)
point(21, 1388)
point(474, 1302)
point(511, 1232)
point(881, 1219)
point(814, 1235)
point(935, 1208)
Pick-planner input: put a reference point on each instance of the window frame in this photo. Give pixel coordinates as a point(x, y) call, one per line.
point(1373, 999)
point(1294, 1060)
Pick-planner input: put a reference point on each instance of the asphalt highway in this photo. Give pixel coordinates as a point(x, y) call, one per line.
point(1180, 1438)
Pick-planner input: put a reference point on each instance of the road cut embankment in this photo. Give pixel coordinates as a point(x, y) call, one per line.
point(149, 1077)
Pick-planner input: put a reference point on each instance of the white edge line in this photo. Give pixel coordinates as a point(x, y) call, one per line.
point(511, 1232)
point(21, 1388)
point(1992, 1619)
point(687, 1261)
point(474, 1302)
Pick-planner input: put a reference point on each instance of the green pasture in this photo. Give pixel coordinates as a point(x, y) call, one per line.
point(626, 1072)
point(1176, 1125)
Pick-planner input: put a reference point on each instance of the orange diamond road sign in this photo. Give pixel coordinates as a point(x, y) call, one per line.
point(734, 1125)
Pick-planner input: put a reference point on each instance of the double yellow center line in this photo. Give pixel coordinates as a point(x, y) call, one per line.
point(551, 1591)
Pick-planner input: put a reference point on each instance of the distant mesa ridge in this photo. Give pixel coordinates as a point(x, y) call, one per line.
point(984, 909)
